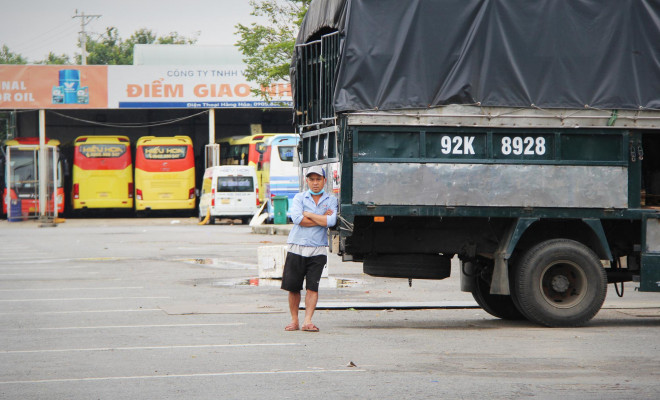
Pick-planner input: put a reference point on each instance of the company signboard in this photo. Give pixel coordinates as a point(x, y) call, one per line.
point(50, 86)
point(129, 86)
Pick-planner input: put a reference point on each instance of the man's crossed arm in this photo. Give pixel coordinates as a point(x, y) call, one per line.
point(311, 219)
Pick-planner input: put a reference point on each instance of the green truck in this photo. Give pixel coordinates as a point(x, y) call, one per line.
point(522, 137)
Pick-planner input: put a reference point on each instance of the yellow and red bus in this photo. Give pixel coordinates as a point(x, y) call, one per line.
point(22, 177)
point(102, 173)
point(246, 150)
point(243, 150)
point(164, 173)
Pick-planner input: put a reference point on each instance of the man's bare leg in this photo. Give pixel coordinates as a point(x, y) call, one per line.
point(311, 298)
point(294, 307)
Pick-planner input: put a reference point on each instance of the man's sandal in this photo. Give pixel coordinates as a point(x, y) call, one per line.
point(310, 328)
point(291, 327)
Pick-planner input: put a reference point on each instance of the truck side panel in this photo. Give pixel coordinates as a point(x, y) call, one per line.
point(491, 185)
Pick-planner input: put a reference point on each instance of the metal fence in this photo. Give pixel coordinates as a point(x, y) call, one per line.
point(32, 192)
point(316, 70)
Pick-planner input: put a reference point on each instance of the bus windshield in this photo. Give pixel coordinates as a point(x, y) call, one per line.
point(23, 167)
point(286, 153)
point(234, 154)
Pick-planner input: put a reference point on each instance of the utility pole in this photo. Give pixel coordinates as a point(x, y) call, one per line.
point(84, 20)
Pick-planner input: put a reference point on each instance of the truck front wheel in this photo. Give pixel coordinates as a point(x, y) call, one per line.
point(560, 282)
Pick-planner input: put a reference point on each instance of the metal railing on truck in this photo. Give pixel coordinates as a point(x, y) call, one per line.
point(316, 67)
point(319, 146)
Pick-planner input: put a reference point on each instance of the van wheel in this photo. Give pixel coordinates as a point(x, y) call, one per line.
point(211, 220)
point(560, 283)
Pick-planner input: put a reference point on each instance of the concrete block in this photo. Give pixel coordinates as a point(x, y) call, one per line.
point(271, 260)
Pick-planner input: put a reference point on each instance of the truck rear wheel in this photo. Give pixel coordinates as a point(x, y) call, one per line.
point(497, 305)
point(560, 283)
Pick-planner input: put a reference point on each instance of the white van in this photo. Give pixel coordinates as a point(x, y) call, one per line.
point(229, 191)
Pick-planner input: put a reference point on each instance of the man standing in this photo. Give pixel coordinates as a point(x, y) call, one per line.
point(312, 213)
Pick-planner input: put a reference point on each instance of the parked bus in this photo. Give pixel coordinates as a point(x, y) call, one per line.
point(164, 173)
point(243, 150)
point(232, 153)
point(21, 188)
point(102, 173)
point(279, 173)
point(246, 150)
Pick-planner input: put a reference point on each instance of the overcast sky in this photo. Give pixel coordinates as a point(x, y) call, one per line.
point(33, 28)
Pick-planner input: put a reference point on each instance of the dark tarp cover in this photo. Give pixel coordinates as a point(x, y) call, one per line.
point(322, 15)
point(510, 53)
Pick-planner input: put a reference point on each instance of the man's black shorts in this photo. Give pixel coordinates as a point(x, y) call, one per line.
point(297, 268)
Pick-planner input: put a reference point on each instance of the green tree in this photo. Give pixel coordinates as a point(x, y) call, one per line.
point(146, 36)
point(108, 49)
point(175, 38)
point(56, 59)
point(111, 49)
point(267, 48)
point(9, 57)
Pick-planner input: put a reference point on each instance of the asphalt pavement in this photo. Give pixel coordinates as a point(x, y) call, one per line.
point(158, 308)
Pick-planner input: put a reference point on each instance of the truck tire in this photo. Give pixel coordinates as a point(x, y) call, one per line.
point(560, 283)
point(497, 305)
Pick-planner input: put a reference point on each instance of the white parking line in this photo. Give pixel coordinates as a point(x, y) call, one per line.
point(32, 259)
point(64, 289)
point(81, 311)
point(42, 268)
point(82, 298)
point(206, 375)
point(132, 326)
point(45, 272)
point(200, 346)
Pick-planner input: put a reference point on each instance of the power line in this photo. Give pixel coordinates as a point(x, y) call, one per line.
point(131, 124)
point(28, 41)
point(45, 43)
point(84, 20)
point(43, 40)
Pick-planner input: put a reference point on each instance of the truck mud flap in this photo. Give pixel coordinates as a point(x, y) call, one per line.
point(650, 257)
